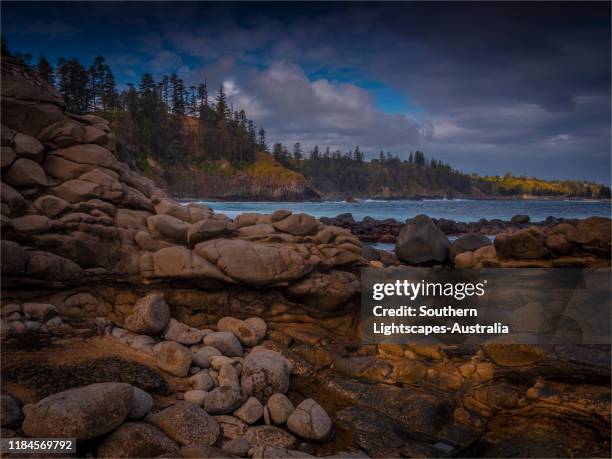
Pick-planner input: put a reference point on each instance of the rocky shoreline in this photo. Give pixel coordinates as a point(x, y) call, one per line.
point(386, 231)
point(180, 332)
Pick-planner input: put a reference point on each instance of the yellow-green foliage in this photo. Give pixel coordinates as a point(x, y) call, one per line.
point(509, 184)
point(266, 167)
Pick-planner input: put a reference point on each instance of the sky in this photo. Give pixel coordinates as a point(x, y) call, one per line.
point(488, 87)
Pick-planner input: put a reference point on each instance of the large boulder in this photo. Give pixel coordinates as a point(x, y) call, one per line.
point(186, 423)
point(141, 404)
point(90, 153)
point(420, 241)
point(297, 224)
point(182, 263)
point(264, 373)
point(136, 439)
point(168, 227)
point(593, 235)
point(25, 173)
point(310, 421)
point(209, 229)
point(82, 413)
point(254, 263)
point(467, 243)
point(28, 147)
point(149, 316)
point(527, 244)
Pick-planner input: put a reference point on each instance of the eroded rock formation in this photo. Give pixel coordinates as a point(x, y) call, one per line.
point(108, 280)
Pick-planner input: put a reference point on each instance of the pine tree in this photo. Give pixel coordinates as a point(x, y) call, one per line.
point(97, 74)
point(73, 81)
point(109, 91)
point(221, 105)
point(45, 70)
point(297, 154)
point(358, 155)
point(178, 95)
point(262, 140)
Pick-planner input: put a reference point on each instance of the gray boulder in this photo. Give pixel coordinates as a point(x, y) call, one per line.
point(223, 400)
point(140, 405)
point(82, 413)
point(150, 315)
point(226, 342)
point(251, 411)
point(310, 421)
point(420, 241)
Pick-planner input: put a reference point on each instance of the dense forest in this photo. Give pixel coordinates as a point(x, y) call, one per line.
point(180, 128)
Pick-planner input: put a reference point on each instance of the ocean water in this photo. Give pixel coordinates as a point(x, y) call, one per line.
point(464, 210)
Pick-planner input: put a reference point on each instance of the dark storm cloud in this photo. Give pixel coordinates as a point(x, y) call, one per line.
point(490, 86)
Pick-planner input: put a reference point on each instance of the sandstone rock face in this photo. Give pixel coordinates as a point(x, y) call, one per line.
point(254, 263)
point(82, 413)
point(421, 242)
point(186, 423)
point(523, 245)
point(151, 314)
point(136, 439)
point(327, 291)
point(310, 421)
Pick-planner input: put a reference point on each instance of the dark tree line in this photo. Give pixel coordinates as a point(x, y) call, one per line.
point(349, 172)
point(155, 109)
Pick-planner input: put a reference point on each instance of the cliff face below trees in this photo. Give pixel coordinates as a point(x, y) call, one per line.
point(189, 172)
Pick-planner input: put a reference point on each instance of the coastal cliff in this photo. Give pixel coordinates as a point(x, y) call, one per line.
point(118, 293)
